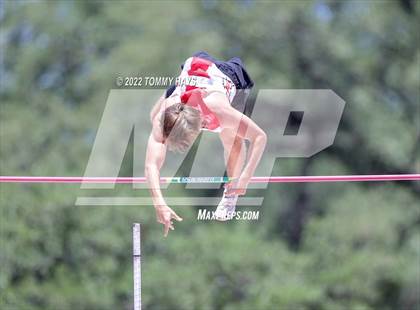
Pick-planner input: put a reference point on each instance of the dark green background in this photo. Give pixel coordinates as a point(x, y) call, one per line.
point(316, 246)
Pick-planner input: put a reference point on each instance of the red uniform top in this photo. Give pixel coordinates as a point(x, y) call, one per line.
point(201, 74)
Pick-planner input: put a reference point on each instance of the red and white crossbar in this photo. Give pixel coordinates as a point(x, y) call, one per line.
point(273, 179)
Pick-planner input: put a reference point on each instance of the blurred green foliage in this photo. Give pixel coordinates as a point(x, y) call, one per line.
point(317, 246)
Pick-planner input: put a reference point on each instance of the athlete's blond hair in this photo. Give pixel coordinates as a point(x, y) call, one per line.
point(181, 124)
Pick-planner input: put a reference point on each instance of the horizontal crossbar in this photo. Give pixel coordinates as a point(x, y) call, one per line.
point(272, 179)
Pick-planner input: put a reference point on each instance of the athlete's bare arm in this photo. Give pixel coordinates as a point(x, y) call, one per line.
point(246, 128)
point(157, 107)
point(155, 157)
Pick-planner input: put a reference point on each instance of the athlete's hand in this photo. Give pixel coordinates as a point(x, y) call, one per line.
point(165, 215)
point(238, 187)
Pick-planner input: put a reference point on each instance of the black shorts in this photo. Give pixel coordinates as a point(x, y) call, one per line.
point(235, 70)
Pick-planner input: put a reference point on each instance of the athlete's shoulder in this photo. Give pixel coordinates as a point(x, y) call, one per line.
point(157, 119)
point(157, 130)
point(215, 98)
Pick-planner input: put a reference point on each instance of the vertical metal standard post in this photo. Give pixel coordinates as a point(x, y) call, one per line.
point(137, 266)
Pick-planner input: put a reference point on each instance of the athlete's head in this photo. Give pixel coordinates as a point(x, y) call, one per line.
point(181, 125)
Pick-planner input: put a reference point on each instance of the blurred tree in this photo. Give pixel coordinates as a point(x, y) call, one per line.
point(335, 246)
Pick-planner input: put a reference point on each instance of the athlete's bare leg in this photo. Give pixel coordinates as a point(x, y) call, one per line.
point(235, 155)
point(234, 152)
